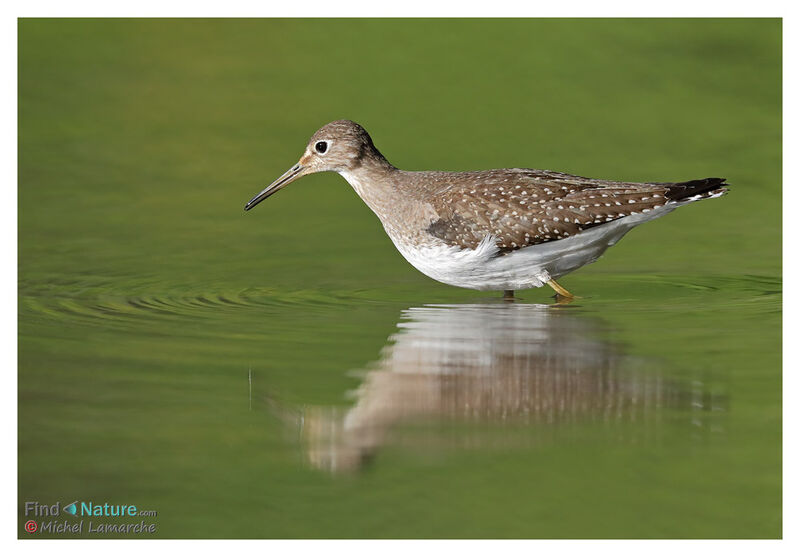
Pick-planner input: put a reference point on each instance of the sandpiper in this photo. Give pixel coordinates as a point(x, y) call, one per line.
point(505, 229)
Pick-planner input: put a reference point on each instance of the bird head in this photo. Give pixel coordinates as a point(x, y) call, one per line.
point(340, 146)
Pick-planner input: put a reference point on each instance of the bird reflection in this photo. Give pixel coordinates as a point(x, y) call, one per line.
point(488, 363)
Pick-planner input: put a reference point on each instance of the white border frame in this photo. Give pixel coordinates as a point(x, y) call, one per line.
point(411, 8)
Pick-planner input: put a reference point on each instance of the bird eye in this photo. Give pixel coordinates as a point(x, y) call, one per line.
point(321, 146)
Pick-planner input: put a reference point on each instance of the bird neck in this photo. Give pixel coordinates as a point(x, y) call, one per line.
point(375, 181)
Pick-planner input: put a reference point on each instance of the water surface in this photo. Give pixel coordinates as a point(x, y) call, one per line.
point(284, 373)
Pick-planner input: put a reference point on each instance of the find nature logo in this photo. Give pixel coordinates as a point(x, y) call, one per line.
point(103, 518)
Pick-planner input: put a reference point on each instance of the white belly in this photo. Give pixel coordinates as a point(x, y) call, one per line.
point(483, 269)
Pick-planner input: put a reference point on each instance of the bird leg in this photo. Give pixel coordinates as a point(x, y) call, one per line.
point(560, 290)
point(508, 295)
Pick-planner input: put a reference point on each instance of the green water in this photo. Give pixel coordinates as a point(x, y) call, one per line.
point(285, 373)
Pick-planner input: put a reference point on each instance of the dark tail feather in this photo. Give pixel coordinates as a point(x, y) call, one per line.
point(706, 187)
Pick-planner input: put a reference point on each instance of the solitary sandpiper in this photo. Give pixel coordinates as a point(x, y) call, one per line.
point(505, 229)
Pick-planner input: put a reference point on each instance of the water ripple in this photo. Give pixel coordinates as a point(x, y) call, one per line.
point(93, 299)
point(129, 300)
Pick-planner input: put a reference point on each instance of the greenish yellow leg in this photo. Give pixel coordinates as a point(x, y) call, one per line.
point(560, 290)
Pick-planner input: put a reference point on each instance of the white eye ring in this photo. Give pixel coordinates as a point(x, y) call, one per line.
point(321, 147)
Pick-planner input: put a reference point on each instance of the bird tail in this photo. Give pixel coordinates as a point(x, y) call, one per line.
point(696, 189)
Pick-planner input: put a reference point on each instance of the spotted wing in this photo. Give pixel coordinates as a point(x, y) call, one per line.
point(521, 208)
